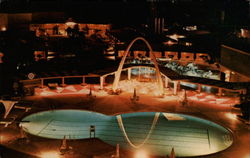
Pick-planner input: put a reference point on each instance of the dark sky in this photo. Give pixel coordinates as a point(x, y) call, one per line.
point(236, 12)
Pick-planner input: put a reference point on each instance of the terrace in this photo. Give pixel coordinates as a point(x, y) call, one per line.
point(137, 90)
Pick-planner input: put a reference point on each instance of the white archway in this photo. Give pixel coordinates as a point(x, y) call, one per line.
point(118, 72)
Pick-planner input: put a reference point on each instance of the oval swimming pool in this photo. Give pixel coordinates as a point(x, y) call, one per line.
point(155, 132)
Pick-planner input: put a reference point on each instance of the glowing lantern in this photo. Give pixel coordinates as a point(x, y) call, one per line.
point(70, 23)
point(141, 154)
point(3, 28)
point(31, 76)
point(51, 154)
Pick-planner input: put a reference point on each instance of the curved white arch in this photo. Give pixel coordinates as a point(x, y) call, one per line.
point(119, 120)
point(118, 72)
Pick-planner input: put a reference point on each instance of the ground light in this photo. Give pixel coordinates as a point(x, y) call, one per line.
point(4, 138)
point(3, 28)
point(50, 154)
point(1, 139)
point(247, 156)
point(231, 116)
point(141, 154)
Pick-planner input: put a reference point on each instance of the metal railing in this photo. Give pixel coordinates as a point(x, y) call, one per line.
point(41, 81)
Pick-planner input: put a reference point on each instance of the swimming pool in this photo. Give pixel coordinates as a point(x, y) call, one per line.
point(155, 132)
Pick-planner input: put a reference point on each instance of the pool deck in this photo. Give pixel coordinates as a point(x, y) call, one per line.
point(116, 104)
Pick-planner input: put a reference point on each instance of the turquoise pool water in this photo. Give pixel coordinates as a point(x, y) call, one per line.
point(155, 132)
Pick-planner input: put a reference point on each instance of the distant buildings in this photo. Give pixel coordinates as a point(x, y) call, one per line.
point(235, 64)
point(46, 24)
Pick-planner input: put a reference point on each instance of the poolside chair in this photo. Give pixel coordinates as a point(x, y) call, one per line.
point(24, 105)
point(7, 121)
point(26, 108)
